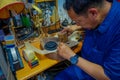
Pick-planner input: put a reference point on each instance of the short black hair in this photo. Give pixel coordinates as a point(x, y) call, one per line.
point(81, 6)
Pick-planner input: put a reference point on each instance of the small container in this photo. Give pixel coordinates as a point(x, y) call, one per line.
point(62, 37)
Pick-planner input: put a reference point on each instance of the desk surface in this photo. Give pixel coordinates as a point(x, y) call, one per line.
point(44, 63)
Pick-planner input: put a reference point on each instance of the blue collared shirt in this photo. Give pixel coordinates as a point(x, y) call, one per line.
point(102, 45)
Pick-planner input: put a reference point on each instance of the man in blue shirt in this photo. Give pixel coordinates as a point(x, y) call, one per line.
point(100, 58)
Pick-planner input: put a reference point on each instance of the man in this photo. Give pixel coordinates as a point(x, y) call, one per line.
point(100, 58)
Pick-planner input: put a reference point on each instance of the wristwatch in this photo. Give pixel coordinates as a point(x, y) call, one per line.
point(74, 59)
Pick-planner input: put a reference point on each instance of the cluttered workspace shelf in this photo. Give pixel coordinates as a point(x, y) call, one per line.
point(44, 63)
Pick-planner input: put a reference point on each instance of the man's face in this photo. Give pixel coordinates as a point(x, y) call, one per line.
point(85, 21)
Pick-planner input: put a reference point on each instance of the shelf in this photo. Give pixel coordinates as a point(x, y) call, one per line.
point(44, 63)
point(27, 72)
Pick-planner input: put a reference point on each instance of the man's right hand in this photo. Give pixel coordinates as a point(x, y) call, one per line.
point(70, 29)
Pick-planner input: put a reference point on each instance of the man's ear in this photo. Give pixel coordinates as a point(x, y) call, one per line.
point(93, 12)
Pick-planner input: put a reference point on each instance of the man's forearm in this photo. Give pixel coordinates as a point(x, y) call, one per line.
point(94, 70)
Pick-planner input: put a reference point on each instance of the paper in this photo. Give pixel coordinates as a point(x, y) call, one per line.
point(31, 47)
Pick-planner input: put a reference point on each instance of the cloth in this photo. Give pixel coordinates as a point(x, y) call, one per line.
point(101, 46)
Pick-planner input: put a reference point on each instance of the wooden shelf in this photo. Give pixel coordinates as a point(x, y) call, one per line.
point(44, 63)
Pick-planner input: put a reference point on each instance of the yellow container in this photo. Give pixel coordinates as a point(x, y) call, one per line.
point(10, 5)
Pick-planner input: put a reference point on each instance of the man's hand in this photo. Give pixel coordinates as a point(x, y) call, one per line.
point(70, 29)
point(64, 51)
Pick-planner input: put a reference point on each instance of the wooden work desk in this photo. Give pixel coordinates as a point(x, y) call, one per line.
point(44, 63)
